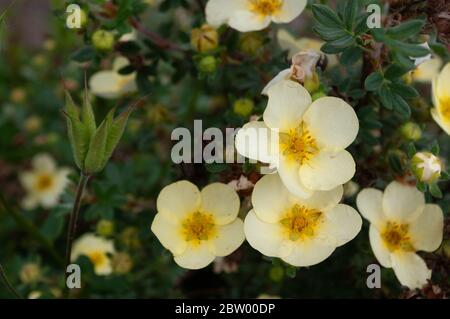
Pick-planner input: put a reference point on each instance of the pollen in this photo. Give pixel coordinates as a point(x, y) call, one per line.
point(44, 182)
point(396, 237)
point(265, 8)
point(444, 106)
point(198, 227)
point(298, 145)
point(300, 222)
point(97, 258)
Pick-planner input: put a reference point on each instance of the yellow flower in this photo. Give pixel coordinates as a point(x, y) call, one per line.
point(97, 249)
point(401, 223)
point(44, 184)
point(302, 232)
point(252, 15)
point(109, 84)
point(293, 45)
point(441, 99)
point(198, 226)
point(304, 140)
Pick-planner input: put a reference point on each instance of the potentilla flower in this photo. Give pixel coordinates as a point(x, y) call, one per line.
point(304, 140)
point(109, 84)
point(198, 226)
point(401, 223)
point(44, 183)
point(252, 15)
point(426, 167)
point(99, 251)
point(302, 232)
point(441, 99)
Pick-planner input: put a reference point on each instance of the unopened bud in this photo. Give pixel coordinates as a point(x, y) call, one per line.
point(103, 40)
point(105, 227)
point(204, 39)
point(243, 107)
point(208, 64)
point(426, 167)
point(411, 131)
point(251, 42)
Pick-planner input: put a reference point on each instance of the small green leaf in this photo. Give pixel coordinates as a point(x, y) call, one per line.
point(435, 148)
point(84, 54)
point(406, 29)
point(95, 155)
point(374, 81)
point(329, 34)
point(350, 56)
point(411, 149)
point(435, 190)
point(401, 106)
point(87, 114)
point(350, 12)
point(395, 71)
point(411, 50)
point(327, 17)
point(79, 138)
point(421, 186)
point(405, 91)
point(386, 97)
point(343, 42)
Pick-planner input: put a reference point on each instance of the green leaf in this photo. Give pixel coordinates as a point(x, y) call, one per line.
point(79, 139)
point(401, 106)
point(445, 176)
point(378, 34)
point(386, 97)
point(87, 114)
point(329, 34)
point(361, 24)
point(435, 190)
point(343, 42)
point(53, 226)
point(395, 71)
point(395, 163)
point(435, 148)
point(325, 16)
point(411, 50)
point(374, 81)
point(84, 54)
point(115, 132)
point(403, 60)
point(350, 12)
point(405, 91)
point(95, 155)
point(328, 48)
point(406, 29)
point(421, 186)
point(350, 56)
point(411, 150)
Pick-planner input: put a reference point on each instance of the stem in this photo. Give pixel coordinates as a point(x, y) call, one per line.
point(74, 217)
point(8, 285)
point(30, 228)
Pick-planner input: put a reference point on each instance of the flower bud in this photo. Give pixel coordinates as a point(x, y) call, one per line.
point(312, 83)
point(18, 95)
point(208, 64)
point(204, 39)
point(122, 263)
point(105, 227)
point(251, 42)
point(426, 167)
point(411, 131)
point(243, 107)
point(103, 40)
point(30, 273)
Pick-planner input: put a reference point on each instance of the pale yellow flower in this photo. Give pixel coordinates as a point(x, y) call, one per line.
point(109, 84)
point(97, 249)
point(44, 183)
point(302, 232)
point(427, 67)
point(401, 223)
point(441, 99)
point(198, 226)
point(252, 15)
point(304, 140)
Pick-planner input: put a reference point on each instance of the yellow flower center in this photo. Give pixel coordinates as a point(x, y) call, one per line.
point(298, 145)
point(396, 237)
point(198, 227)
point(300, 222)
point(97, 258)
point(444, 106)
point(44, 182)
point(265, 7)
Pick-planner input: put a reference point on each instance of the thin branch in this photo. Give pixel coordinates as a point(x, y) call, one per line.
point(7, 283)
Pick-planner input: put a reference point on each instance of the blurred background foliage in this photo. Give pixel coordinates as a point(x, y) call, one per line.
point(40, 56)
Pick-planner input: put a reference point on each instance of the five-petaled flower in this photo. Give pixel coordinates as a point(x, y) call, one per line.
point(305, 141)
point(252, 15)
point(441, 99)
point(401, 223)
point(44, 183)
point(302, 232)
point(198, 226)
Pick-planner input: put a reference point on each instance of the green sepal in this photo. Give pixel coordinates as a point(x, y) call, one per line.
point(87, 115)
point(95, 155)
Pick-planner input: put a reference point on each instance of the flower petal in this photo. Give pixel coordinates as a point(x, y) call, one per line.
point(178, 199)
point(105, 84)
point(402, 203)
point(309, 252)
point(288, 100)
point(410, 270)
point(167, 232)
point(219, 11)
point(195, 257)
point(437, 118)
point(283, 75)
point(289, 174)
point(264, 237)
point(370, 205)
point(324, 200)
point(245, 21)
point(270, 198)
point(332, 122)
point(379, 248)
point(443, 82)
point(327, 170)
point(290, 10)
point(257, 142)
point(340, 225)
point(222, 201)
point(44, 162)
point(230, 237)
point(427, 230)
